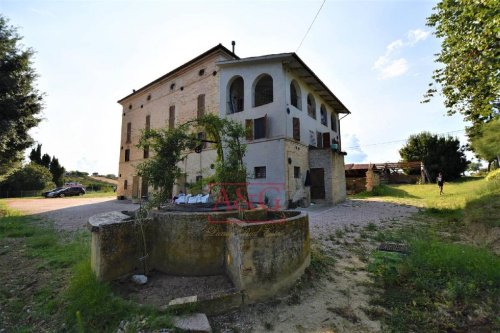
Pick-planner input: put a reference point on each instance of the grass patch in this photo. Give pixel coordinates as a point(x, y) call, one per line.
point(321, 261)
point(442, 285)
point(57, 282)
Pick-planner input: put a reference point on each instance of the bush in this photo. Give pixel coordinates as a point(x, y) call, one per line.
point(493, 175)
point(32, 177)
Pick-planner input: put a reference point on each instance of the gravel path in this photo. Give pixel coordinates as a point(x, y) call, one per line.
point(70, 213)
point(325, 219)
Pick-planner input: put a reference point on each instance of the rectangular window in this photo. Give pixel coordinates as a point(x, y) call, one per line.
point(260, 128)
point(125, 184)
point(129, 132)
point(127, 155)
point(171, 117)
point(148, 123)
point(296, 129)
point(326, 140)
point(201, 105)
point(146, 151)
point(199, 178)
point(312, 138)
point(319, 140)
point(249, 129)
point(296, 172)
point(260, 172)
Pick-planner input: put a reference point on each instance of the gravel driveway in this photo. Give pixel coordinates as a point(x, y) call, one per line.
point(70, 213)
point(73, 213)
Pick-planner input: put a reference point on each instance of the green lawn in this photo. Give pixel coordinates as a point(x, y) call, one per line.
point(448, 282)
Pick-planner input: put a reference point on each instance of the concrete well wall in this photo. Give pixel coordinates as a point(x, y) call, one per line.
point(261, 258)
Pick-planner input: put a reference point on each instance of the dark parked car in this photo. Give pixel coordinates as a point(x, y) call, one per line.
point(67, 192)
point(45, 194)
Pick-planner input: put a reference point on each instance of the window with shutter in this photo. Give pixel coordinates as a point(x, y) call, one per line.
point(249, 129)
point(296, 129)
point(171, 117)
point(260, 128)
point(201, 105)
point(148, 123)
point(129, 132)
point(127, 155)
point(326, 140)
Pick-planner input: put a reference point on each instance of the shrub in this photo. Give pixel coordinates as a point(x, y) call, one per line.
point(493, 175)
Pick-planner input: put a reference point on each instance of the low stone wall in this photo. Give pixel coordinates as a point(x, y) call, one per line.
point(261, 258)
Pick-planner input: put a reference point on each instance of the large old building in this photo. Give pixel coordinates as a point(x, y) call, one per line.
point(292, 119)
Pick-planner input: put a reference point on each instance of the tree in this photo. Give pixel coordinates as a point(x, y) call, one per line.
point(20, 101)
point(438, 153)
point(57, 171)
point(36, 154)
point(45, 161)
point(31, 177)
point(486, 142)
point(470, 53)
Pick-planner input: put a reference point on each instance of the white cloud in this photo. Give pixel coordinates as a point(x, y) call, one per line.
point(390, 64)
point(415, 36)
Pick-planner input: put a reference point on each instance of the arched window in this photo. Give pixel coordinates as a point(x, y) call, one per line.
point(295, 95)
point(333, 119)
point(323, 115)
point(263, 91)
point(235, 95)
point(311, 106)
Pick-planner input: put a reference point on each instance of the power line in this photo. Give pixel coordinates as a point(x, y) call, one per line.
point(396, 141)
point(310, 26)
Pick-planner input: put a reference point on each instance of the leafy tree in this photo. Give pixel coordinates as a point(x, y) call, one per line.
point(474, 166)
point(486, 143)
point(31, 177)
point(36, 154)
point(45, 161)
point(438, 153)
point(57, 171)
point(470, 53)
point(20, 101)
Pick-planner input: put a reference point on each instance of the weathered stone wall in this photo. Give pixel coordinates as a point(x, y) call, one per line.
point(261, 258)
point(333, 165)
point(265, 258)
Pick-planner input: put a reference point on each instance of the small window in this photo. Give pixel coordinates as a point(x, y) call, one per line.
point(148, 123)
point(129, 132)
point(146, 152)
point(130, 106)
point(260, 128)
point(199, 178)
point(201, 105)
point(295, 95)
point(263, 91)
point(323, 115)
point(172, 86)
point(127, 155)
point(125, 184)
point(311, 106)
point(333, 120)
point(236, 96)
point(296, 172)
point(296, 129)
point(312, 139)
point(171, 117)
point(201, 72)
point(149, 97)
point(260, 172)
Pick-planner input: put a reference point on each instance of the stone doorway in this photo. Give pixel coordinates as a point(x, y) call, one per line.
point(317, 183)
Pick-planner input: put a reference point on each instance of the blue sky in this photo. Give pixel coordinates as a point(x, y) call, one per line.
point(376, 56)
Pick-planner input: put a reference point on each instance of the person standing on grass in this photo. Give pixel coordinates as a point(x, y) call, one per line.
point(440, 183)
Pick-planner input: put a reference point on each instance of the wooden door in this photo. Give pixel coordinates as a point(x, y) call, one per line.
point(317, 183)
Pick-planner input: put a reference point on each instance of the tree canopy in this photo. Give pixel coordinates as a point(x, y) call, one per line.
point(52, 164)
point(20, 101)
point(31, 177)
point(486, 142)
point(438, 153)
point(469, 78)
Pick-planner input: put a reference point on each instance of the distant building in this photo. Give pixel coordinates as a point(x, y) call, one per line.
point(292, 120)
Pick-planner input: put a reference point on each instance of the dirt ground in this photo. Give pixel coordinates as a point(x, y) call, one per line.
point(336, 302)
point(69, 213)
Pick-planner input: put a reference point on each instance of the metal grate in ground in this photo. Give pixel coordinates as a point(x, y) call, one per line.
point(392, 247)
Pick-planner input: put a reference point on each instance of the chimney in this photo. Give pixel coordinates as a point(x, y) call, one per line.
point(233, 43)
